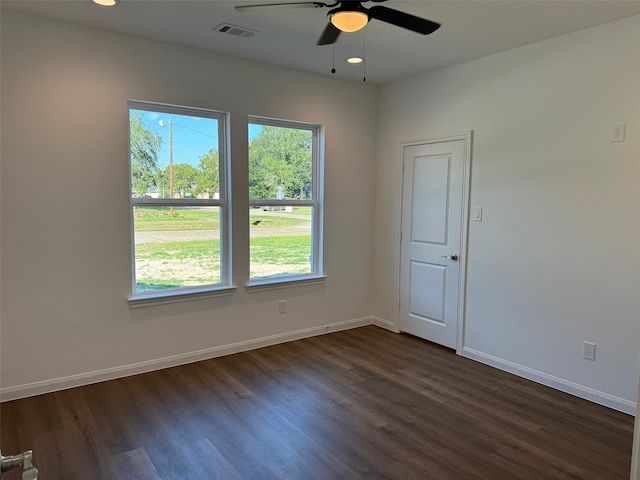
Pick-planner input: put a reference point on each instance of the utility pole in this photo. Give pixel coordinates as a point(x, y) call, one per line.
point(162, 124)
point(171, 162)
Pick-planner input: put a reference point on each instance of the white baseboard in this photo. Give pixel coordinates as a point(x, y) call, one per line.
point(386, 324)
point(561, 384)
point(56, 384)
point(53, 385)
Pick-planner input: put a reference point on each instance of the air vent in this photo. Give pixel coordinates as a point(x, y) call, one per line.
point(235, 30)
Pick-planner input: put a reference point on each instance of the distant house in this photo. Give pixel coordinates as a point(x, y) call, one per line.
point(208, 195)
point(153, 192)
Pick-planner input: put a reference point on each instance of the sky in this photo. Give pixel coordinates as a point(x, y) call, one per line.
point(193, 137)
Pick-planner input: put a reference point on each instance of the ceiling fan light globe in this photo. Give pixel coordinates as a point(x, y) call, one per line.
point(349, 21)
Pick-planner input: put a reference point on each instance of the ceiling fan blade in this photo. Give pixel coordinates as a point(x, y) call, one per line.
point(403, 20)
point(277, 6)
point(329, 35)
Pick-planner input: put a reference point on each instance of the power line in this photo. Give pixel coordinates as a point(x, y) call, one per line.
point(196, 131)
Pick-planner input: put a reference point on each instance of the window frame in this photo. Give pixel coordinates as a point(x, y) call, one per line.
point(316, 202)
point(223, 203)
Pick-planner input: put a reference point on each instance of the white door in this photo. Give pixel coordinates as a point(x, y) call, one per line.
point(433, 214)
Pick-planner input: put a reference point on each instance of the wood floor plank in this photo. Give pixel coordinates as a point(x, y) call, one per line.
point(319, 416)
point(358, 404)
point(134, 465)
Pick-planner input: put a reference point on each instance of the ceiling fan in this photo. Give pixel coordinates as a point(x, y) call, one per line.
point(351, 16)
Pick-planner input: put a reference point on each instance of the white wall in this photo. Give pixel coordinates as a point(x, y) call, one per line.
point(66, 270)
point(555, 261)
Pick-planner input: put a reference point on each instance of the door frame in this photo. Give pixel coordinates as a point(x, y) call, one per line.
point(467, 137)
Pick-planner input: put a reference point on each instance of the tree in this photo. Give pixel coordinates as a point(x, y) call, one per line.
point(208, 173)
point(185, 178)
point(280, 156)
point(144, 147)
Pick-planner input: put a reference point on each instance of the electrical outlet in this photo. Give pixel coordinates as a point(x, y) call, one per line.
point(589, 351)
point(282, 307)
point(618, 132)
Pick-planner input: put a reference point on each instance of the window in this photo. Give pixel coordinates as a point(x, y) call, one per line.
point(285, 200)
point(179, 200)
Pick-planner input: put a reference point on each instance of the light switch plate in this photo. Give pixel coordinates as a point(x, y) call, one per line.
point(477, 214)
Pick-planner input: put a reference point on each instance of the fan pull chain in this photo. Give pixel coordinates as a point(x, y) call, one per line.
point(333, 65)
point(364, 56)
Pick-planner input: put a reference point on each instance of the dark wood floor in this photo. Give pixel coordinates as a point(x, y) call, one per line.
point(363, 403)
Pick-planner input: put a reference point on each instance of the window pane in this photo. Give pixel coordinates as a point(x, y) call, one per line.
point(176, 247)
point(280, 241)
point(280, 163)
point(173, 156)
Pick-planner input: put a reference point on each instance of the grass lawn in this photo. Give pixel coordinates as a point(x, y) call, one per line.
point(197, 262)
point(280, 255)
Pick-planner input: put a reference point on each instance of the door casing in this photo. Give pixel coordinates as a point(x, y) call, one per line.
point(467, 137)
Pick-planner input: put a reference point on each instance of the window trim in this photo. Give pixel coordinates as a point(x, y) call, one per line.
point(260, 285)
point(317, 202)
point(223, 203)
point(172, 296)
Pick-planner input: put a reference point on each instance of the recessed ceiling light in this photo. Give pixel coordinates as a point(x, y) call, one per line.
point(106, 3)
point(354, 60)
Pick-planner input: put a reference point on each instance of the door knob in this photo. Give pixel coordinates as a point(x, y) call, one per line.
point(453, 257)
point(23, 460)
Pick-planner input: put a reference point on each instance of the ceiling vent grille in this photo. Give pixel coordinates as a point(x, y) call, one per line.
point(235, 30)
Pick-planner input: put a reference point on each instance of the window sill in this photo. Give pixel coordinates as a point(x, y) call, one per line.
point(153, 299)
point(284, 282)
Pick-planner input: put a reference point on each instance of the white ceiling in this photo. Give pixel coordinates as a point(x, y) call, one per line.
point(287, 37)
